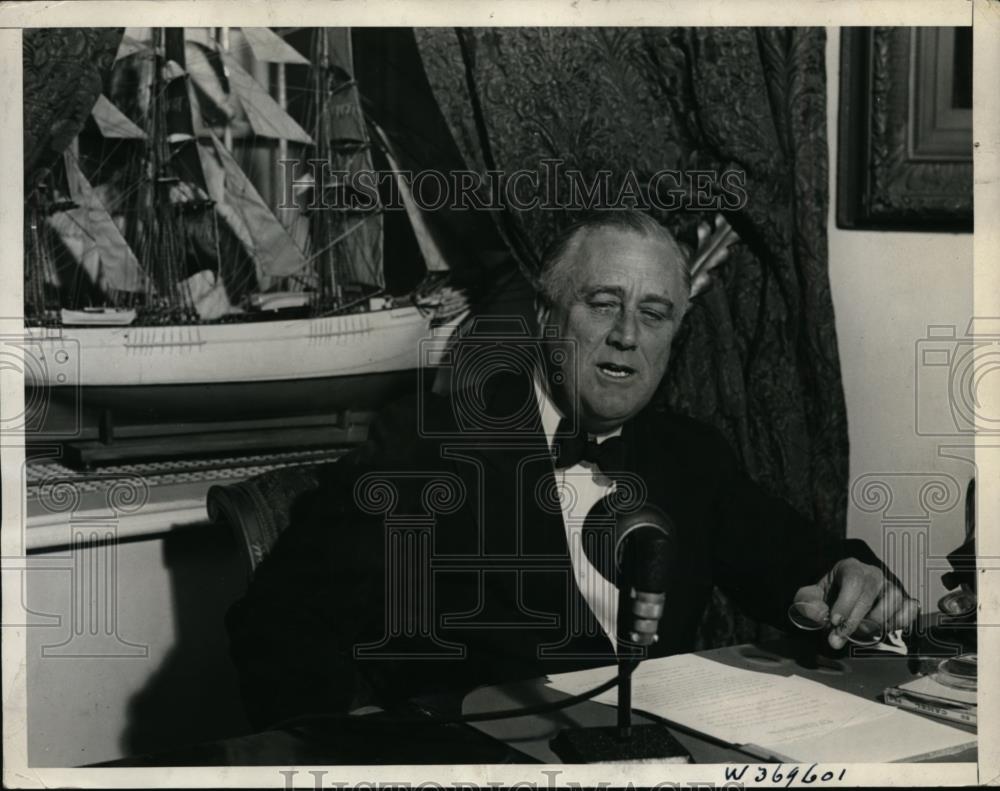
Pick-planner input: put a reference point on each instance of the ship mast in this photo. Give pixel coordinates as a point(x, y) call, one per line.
point(283, 102)
point(223, 40)
point(347, 245)
point(162, 248)
point(37, 258)
point(178, 192)
point(323, 225)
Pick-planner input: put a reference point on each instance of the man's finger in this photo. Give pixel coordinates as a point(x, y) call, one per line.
point(809, 609)
point(849, 581)
point(859, 587)
point(906, 614)
point(862, 607)
point(887, 605)
point(810, 593)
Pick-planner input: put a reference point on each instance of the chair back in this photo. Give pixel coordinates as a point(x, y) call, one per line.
point(259, 509)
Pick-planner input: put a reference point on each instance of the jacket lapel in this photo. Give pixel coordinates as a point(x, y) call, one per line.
point(518, 476)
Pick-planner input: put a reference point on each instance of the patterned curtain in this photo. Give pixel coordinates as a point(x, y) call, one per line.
point(64, 72)
point(758, 356)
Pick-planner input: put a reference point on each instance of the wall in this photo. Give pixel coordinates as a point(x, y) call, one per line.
point(888, 287)
point(140, 665)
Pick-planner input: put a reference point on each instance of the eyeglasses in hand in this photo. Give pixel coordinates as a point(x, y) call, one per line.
point(815, 616)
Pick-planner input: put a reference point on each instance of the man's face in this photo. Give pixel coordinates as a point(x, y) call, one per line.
point(619, 316)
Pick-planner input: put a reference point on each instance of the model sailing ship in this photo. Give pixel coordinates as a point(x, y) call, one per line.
point(159, 280)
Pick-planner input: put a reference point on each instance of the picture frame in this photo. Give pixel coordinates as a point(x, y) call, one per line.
point(905, 129)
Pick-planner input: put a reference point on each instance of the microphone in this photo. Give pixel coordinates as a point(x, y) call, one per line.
point(644, 543)
point(644, 554)
point(646, 558)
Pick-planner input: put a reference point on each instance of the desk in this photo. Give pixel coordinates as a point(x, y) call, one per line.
point(865, 675)
point(366, 741)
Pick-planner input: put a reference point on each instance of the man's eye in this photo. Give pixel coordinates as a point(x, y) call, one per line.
point(654, 315)
point(604, 307)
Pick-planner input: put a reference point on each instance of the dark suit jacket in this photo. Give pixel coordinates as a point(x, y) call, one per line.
point(434, 557)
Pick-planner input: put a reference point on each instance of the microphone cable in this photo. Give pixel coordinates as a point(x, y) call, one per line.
point(451, 719)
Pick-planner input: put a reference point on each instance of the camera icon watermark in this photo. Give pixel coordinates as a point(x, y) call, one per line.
point(964, 371)
point(487, 351)
point(50, 365)
point(72, 554)
point(409, 504)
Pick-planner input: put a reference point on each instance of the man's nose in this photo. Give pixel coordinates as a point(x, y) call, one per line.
point(625, 331)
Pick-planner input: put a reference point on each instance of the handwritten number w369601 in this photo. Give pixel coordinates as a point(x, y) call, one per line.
point(778, 774)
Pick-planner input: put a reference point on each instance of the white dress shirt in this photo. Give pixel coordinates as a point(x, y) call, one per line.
point(580, 487)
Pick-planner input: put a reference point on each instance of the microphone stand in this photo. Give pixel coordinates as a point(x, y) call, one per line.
point(623, 741)
point(629, 654)
point(625, 668)
point(643, 558)
point(639, 616)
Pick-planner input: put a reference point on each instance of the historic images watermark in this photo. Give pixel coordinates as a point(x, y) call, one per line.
point(321, 778)
point(957, 368)
point(313, 184)
point(50, 364)
point(81, 543)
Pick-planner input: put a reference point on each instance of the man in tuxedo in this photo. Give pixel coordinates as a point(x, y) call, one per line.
point(466, 542)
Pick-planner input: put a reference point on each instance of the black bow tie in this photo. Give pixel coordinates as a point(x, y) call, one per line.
point(572, 448)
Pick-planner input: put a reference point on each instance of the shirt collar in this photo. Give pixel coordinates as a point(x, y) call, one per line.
point(551, 415)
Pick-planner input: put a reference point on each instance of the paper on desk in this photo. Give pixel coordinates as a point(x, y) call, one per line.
point(785, 717)
point(899, 736)
point(735, 705)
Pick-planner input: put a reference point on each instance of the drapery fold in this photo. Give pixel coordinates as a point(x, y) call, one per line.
point(64, 71)
point(758, 356)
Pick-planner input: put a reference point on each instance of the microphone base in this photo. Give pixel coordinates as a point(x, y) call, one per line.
point(652, 743)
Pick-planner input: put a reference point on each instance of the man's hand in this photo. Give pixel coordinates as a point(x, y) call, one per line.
point(858, 591)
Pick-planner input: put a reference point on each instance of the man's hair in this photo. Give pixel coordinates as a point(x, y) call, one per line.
point(555, 274)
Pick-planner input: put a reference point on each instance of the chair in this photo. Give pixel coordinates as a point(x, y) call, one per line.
point(258, 509)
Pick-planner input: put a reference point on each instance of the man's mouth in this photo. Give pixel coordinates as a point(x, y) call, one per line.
point(615, 371)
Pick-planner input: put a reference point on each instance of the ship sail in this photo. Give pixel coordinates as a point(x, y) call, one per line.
point(239, 204)
point(434, 260)
point(266, 118)
point(93, 239)
point(347, 244)
point(214, 107)
point(113, 123)
point(268, 47)
point(132, 42)
point(176, 203)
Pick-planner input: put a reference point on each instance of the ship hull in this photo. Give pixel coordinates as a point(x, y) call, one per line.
point(233, 371)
